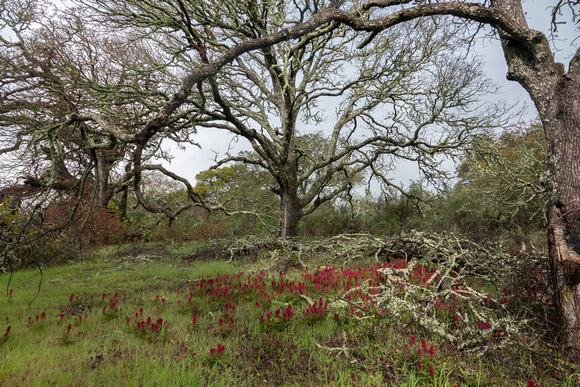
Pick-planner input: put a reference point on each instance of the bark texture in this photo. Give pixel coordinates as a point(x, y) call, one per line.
point(290, 214)
point(561, 122)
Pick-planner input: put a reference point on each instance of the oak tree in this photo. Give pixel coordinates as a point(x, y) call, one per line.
point(402, 97)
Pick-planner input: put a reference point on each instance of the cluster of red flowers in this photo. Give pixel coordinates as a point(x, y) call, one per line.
point(316, 311)
point(285, 314)
point(42, 316)
point(424, 350)
point(146, 327)
point(217, 351)
point(112, 311)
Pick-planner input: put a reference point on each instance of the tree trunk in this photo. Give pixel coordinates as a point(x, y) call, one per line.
point(562, 125)
point(290, 212)
point(123, 203)
point(104, 164)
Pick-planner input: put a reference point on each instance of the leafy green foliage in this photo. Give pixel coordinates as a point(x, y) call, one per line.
point(238, 187)
point(500, 183)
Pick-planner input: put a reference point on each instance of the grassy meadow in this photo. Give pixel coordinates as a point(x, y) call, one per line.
point(149, 315)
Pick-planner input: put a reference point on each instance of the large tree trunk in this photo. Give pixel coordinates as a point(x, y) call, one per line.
point(290, 212)
point(562, 125)
point(557, 98)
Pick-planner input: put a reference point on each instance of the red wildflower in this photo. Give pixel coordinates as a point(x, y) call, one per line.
point(431, 370)
point(531, 383)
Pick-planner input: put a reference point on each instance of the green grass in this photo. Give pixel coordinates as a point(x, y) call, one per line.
point(105, 349)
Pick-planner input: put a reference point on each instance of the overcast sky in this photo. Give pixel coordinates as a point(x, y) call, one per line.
point(190, 162)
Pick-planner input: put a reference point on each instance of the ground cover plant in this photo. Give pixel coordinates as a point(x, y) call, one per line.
point(419, 309)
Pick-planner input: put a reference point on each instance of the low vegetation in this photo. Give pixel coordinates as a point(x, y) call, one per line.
point(419, 309)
